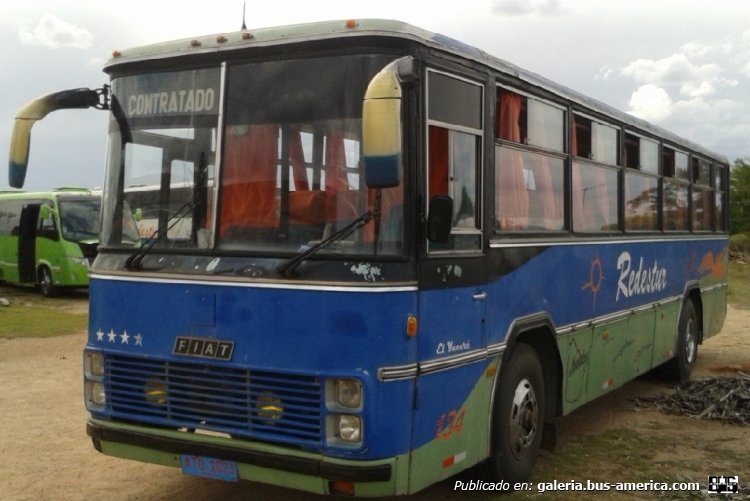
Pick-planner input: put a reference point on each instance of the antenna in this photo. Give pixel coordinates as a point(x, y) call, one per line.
point(244, 26)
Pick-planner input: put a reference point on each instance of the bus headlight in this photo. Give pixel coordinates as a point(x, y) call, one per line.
point(80, 261)
point(349, 428)
point(93, 363)
point(349, 393)
point(96, 395)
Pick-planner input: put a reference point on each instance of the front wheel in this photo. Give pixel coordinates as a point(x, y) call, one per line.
point(46, 286)
point(518, 418)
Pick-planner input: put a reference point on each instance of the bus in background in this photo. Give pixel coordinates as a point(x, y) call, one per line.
point(405, 257)
point(48, 239)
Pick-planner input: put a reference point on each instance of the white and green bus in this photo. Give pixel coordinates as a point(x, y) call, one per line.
point(48, 239)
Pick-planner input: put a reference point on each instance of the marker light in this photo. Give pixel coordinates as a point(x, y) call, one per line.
point(351, 23)
point(411, 326)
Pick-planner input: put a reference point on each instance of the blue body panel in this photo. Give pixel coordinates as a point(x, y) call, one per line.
point(321, 332)
point(317, 333)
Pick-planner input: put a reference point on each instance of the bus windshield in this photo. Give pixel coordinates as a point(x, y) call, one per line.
point(79, 218)
point(289, 175)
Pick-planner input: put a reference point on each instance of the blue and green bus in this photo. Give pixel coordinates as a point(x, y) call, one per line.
point(48, 239)
point(405, 257)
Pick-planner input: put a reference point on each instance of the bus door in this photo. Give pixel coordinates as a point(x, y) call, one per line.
point(27, 243)
point(453, 293)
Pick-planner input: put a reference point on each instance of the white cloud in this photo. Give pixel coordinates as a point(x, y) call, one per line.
point(675, 69)
point(697, 50)
point(528, 7)
point(744, 57)
point(604, 72)
point(53, 32)
point(651, 103)
point(678, 70)
point(693, 89)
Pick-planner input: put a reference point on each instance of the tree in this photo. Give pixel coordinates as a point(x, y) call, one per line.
point(739, 197)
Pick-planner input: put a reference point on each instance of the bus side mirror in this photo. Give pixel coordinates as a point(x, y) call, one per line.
point(440, 219)
point(35, 110)
point(381, 125)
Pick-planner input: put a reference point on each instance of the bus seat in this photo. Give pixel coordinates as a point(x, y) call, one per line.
point(307, 207)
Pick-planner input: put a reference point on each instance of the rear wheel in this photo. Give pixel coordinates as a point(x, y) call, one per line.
point(686, 352)
point(518, 418)
point(46, 287)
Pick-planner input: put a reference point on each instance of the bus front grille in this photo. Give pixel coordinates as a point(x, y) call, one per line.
point(253, 404)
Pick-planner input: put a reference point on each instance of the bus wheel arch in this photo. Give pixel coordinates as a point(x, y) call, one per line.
point(45, 281)
point(539, 333)
point(525, 403)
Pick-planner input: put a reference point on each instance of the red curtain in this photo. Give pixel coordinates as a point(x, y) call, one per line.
point(249, 177)
point(511, 196)
point(438, 176)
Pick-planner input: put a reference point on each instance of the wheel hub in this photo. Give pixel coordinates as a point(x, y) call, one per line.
point(690, 341)
point(524, 417)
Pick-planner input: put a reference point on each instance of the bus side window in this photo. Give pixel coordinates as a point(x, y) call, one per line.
point(529, 175)
point(47, 223)
point(455, 155)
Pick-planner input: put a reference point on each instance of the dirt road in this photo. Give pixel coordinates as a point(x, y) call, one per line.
point(45, 453)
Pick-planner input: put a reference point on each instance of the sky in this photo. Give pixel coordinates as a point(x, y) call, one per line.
point(681, 64)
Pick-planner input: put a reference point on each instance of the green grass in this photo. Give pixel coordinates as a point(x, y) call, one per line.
point(31, 315)
point(739, 284)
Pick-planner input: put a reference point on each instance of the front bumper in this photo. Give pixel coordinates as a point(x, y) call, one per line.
point(258, 462)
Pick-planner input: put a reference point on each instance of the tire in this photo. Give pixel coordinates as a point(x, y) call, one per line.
point(686, 351)
point(517, 418)
point(46, 287)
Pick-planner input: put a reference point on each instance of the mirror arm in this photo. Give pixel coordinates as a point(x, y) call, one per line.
point(36, 110)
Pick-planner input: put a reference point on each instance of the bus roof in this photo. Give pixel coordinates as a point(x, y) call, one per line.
point(327, 30)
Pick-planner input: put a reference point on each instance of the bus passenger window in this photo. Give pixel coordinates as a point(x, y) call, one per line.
point(529, 121)
point(675, 190)
point(641, 153)
point(529, 185)
point(632, 151)
point(594, 198)
point(641, 196)
point(675, 205)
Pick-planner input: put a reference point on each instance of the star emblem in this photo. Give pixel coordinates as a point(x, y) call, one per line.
point(124, 337)
point(138, 340)
point(111, 336)
point(99, 335)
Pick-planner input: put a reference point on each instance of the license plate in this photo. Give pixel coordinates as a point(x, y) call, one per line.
point(201, 466)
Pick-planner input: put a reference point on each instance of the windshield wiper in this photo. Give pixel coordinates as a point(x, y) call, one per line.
point(134, 261)
point(287, 268)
